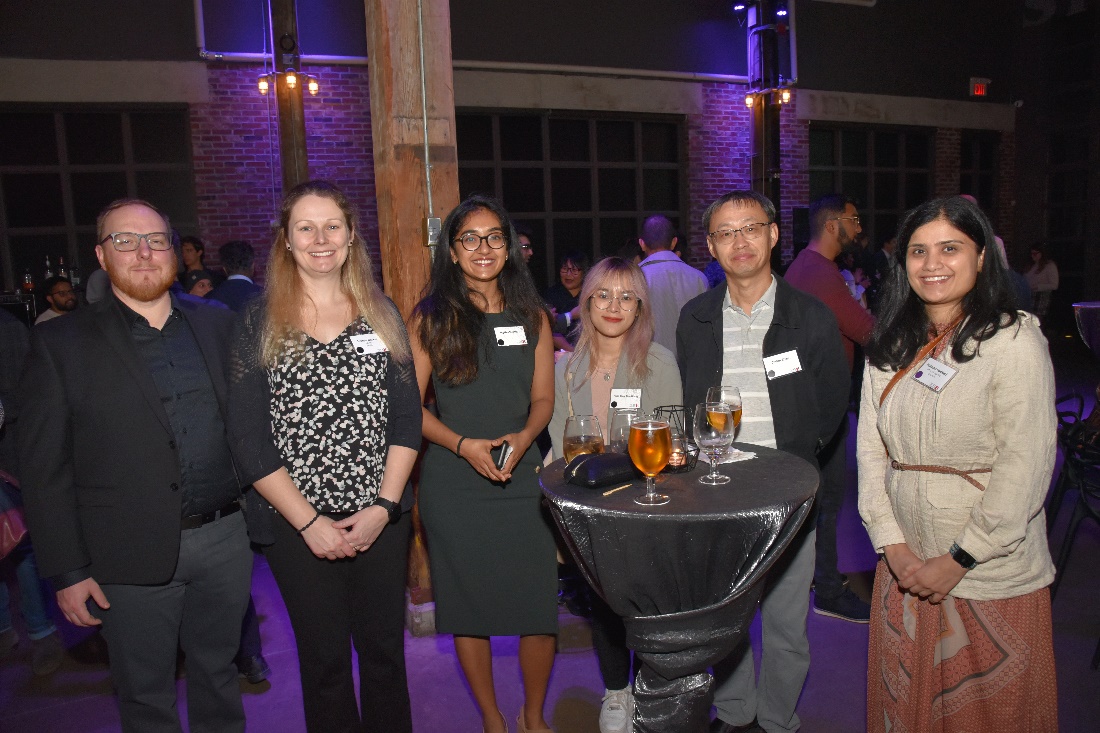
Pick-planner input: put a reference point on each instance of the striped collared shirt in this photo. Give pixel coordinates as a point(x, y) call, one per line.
point(743, 365)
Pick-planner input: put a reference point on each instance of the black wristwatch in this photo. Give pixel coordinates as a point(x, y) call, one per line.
point(392, 508)
point(962, 557)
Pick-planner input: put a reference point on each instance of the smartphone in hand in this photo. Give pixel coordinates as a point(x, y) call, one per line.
point(502, 457)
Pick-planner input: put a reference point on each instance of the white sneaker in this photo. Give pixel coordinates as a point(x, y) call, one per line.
point(617, 713)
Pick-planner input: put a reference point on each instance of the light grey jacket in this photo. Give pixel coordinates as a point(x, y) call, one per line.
point(996, 412)
point(661, 388)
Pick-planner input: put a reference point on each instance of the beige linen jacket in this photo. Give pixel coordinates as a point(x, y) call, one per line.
point(996, 412)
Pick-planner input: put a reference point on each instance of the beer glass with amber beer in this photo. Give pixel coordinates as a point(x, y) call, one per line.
point(732, 397)
point(649, 447)
point(582, 435)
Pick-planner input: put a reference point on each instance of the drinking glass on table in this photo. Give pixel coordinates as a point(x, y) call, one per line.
point(713, 433)
point(649, 447)
point(732, 397)
point(582, 435)
point(619, 432)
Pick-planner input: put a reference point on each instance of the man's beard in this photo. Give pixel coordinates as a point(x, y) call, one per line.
point(65, 305)
point(144, 290)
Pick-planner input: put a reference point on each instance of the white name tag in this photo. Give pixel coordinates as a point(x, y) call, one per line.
point(368, 343)
point(510, 336)
point(934, 374)
point(626, 399)
point(783, 364)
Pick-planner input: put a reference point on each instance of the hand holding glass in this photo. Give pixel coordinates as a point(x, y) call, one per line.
point(649, 448)
point(582, 435)
point(713, 433)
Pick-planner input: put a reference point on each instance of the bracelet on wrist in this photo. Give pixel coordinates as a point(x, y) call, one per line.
point(310, 522)
point(458, 448)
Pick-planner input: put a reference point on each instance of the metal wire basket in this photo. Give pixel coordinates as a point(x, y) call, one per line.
point(684, 454)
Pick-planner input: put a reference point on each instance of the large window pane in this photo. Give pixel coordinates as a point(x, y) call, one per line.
point(33, 200)
point(573, 234)
point(522, 189)
point(886, 190)
point(475, 180)
point(94, 137)
point(520, 138)
point(660, 143)
point(171, 191)
point(853, 147)
point(617, 189)
point(29, 252)
point(917, 149)
point(569, 140)
point(27, 138)
point(822, 183)
point(474, 137)
point(661, 190)
point(614, 142)
point(160, 137)
point(618, 236)
point(886, 150)
point(822, 148)
point(93, 191)
point(571, 189)
point(916, 189)
point(854, 184)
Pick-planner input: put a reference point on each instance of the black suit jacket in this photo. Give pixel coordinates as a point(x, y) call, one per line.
point(101, 475)
point(235, 293)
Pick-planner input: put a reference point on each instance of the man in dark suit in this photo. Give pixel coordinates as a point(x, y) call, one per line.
point(237, 258)
point(131, 493)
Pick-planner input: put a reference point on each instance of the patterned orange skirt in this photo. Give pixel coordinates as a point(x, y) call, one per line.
point(960, 666)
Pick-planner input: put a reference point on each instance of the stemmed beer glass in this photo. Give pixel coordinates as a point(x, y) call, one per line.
point(713, 433)
point(649, 447)
point(732, 397)
point(582, 435)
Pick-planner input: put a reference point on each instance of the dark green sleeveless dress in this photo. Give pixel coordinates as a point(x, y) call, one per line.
point(491, 547)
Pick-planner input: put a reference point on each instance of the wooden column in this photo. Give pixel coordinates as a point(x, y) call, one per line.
point(401, 189)
point(292, 120)
point(397, 129)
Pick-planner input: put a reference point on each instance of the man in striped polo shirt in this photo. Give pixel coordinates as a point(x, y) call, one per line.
point(782, 348)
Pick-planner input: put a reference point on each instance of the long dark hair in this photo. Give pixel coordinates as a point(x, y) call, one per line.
point(902, 327)
point(450, 324)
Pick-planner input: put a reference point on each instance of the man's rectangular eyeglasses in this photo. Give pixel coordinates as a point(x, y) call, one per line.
point(129, 241)
point(602, 299)
point(470, 241)
point(751, 232)
point(846, 218)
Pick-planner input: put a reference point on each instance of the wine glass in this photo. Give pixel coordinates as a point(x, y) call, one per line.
point(732, 397)
point(619, 432)
point(582, 435)
point(649, 448)
point(713, 432)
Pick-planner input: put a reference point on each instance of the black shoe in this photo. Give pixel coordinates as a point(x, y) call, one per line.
point(846, 607)
point(254, 669)
point(720, 726)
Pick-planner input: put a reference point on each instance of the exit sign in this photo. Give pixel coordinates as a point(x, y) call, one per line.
point(978, 87)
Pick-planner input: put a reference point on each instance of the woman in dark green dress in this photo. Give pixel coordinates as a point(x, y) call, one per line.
point(481, 337)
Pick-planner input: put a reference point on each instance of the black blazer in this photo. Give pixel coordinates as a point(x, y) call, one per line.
point(100, 470)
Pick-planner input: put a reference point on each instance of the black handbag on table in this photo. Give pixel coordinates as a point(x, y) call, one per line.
point(596, 470)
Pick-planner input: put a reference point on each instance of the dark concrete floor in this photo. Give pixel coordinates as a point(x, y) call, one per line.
point(78, 697)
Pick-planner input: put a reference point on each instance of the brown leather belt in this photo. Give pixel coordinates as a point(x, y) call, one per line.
point(197, 520)
point(965, 475)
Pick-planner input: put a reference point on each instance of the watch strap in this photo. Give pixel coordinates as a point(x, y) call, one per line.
point(392, 507)
point(962, 557)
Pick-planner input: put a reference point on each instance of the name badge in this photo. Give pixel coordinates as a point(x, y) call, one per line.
point(781, 365)
point(510, 336)
point(626, 399)
point(934, 374)
point(368, 343)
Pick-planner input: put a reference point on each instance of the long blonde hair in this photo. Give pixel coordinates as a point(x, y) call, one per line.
point(285, 292)
point(636, 341)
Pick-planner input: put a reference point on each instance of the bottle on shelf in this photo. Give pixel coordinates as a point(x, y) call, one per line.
point(49, 268)
point(28, 281)
point(62, 271)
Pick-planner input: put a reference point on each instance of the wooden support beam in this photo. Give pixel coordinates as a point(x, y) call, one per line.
point(292, 120)
point(397, 129)
point(400, 179)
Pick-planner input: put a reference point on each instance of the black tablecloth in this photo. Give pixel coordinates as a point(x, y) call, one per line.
point(684, 576)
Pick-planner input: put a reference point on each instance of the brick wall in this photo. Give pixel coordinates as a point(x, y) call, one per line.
point(235, 147)
point(946, 179)
point(1005, 226)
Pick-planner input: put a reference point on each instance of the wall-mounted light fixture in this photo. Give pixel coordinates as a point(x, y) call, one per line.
point(291, 78)
point(750, 100)
point(785, 95)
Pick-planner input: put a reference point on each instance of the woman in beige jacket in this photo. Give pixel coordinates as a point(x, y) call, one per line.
point(956, 447)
